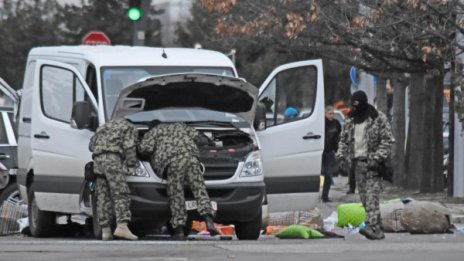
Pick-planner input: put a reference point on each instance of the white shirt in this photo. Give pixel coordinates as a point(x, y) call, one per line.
point(360, 140)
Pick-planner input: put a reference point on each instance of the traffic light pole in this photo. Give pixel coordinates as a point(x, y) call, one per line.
point(137, 40)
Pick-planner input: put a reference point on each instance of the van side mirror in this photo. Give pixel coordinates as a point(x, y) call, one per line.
point(259, 123)
point(83, 117)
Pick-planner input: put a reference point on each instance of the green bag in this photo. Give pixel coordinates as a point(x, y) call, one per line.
point(298, 231)
point(350, 213)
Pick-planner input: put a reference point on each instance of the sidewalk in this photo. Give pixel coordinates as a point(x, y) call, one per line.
point(338, 196)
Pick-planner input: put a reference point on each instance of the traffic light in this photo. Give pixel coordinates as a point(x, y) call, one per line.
point(135, 10)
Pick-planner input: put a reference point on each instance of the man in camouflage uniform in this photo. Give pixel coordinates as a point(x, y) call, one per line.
point(174, 154)
point(365, 143)
point(114, 148)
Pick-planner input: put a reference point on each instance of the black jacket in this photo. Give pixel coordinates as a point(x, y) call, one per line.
point(332, 135)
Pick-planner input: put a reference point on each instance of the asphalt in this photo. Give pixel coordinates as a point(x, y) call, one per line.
point(338, 196)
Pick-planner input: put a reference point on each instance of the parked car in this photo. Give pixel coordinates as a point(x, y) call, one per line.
point(8, 146)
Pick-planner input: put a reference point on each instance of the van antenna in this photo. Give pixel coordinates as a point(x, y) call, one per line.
point(164, 55)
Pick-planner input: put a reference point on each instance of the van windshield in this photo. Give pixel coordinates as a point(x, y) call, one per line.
point(116, 78)
point(203, 116)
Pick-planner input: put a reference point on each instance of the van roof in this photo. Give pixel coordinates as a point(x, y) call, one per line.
point(119, 55)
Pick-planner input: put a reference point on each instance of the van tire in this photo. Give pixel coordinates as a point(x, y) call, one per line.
point(41, 223)
point(249, 230)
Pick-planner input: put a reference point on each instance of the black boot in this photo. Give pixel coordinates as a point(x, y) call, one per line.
point(210, 225)
point(326, 188)
point(178, 233)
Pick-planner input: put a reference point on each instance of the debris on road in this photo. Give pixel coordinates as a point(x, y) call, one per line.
point(350, 214)
point(424, 217)
point(298, 231)
point(391, 212)
point(10, 211)
point(311, 218)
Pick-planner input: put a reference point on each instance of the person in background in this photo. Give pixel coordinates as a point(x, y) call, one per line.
point(365, 144)
point(174, 154)
point(114, 152)
point(329, 162)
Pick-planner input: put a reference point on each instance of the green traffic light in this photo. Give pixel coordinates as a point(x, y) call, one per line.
point(134, 13)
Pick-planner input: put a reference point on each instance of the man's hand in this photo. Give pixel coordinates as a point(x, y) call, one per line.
point(131, 158)
point(343, 166)
point(131, 165)
point(373, 165)
point(130, 171)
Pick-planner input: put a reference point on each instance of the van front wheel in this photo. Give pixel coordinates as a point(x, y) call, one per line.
point(249, 230)
point(41, 223)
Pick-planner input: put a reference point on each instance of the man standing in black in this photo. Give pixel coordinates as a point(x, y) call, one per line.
point(329, 162)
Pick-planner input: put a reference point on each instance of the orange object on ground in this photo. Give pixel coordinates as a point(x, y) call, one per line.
point(225, 230)
point(272, 230)
point(198, 226)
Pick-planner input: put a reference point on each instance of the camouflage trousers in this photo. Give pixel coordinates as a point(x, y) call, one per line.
point(369, 187)
point(185, 170)
point(112, 191)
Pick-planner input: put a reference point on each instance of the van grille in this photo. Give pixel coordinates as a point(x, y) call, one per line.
point(219, 170)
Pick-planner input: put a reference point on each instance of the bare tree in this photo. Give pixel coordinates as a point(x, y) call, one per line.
point(378, 36)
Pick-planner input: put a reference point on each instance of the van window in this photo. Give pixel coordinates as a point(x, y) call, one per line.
point(116, 78)
point(288, 97)
point(60, 88)
point(57, 92)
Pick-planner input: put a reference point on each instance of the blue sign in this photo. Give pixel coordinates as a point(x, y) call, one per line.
point(353, 77)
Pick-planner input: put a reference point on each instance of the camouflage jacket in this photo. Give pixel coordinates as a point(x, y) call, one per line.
point(379, 139)
point(116, 136)
point(167, 141)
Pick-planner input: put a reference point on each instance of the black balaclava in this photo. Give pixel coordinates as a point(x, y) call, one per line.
point(359, 107)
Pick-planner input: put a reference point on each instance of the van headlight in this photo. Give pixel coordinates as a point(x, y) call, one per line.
point(140, 171)
point(253, 165)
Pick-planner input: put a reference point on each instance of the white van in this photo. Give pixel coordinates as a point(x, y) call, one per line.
point(65, 85)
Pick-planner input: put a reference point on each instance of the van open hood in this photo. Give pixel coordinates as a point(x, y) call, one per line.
point(215, 92)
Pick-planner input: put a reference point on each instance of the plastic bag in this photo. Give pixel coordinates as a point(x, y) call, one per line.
point(350, 213)
point(331, 221)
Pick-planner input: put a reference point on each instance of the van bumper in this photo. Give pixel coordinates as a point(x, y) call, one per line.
point(237, 202)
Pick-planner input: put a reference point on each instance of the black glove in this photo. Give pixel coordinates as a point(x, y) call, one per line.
point(131, 160)
point(373, 165)
point(343, 166)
